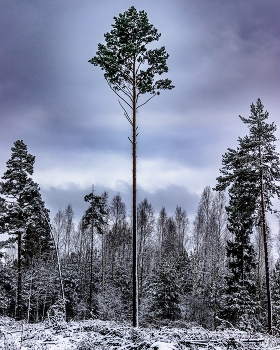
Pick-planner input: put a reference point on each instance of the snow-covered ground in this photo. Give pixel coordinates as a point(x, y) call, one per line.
point(96, 334)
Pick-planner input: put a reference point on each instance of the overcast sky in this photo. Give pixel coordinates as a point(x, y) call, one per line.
point(223, 56)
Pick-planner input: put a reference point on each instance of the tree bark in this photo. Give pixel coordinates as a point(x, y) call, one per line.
point(19, 296)
point(103, 265)
point(263, 222)
point(267, 277)
point(91, 257)
point(134, 209)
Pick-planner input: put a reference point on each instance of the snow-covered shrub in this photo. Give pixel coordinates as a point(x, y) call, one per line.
point(56, 314)
point(164, 290)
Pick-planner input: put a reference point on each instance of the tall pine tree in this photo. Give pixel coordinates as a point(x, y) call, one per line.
point(24, 215)
point(131, 70)
point(265, 165)
point(254, 170)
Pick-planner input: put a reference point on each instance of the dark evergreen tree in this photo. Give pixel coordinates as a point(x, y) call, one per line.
point(265, 164)
point(25, 215)
point(240, 304)
point(165, 292)
point(96, 213)
point(258, 167)
point(37, 240)
point(130, 70)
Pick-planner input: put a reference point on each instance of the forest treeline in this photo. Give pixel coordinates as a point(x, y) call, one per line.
point(216, 271)
point(183, 267)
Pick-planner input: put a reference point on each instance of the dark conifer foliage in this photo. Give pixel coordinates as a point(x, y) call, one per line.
point(25, 215)
point(265, 164)
point(165, 289)
point(240, 290)
point(24, 210)
point(253, 173)
point(96, 213)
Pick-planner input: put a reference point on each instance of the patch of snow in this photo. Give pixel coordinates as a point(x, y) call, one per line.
point(100, 335)
point(159, 345)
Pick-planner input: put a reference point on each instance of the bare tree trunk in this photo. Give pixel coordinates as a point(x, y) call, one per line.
point(141, 263)
point(134, 208)
point(267, 277)
point(86, 284)
point(46, 288)
point(30, 292)
point(91, 267)
point(19, 282)
point(38, 294)
point(103, 265)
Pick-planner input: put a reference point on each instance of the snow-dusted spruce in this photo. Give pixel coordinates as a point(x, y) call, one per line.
point(239, 303)
point(165, 290)
point(253, 172)
point(130, 71)
point(24, 214)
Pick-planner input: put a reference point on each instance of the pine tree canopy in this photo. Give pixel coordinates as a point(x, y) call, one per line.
point(255, 158)
point(23, 209)
point(252, 173)
point(95, 214)
point(126, 60)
